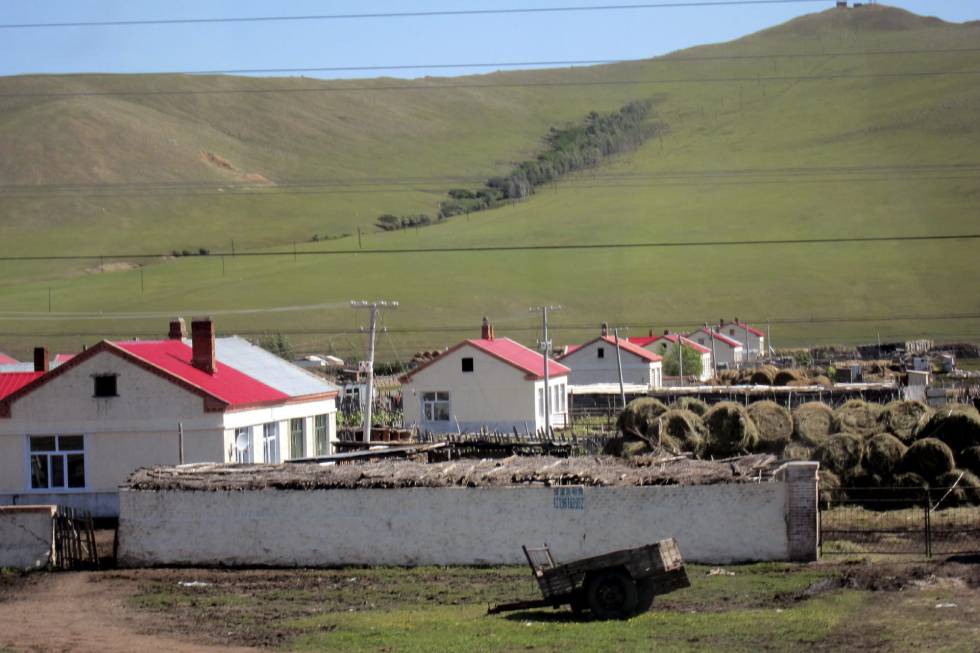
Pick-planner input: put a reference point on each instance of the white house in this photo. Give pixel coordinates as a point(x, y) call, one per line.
point(666, 347)
point(72, 434)
point(489, 382)
point(753, 339)
point(727, 352)
point(596, 362)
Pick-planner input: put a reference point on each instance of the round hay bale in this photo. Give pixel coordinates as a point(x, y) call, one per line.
point(764, 375)
point(969, 459)
point(966, 490)
point(829, 485)
point(883, 453)
point(864, 486)
point(929, 458)
point(914, 489)
point(813, 422)
point(841, 452)
point(685, 428)
point(639, 415)
point(823, 380)
point(786, 377)
point(857, 416)
point(901, 418)
point(958, 425)
point(692, 404)
point(730, 430)
point(797, 451)
point(774, 423)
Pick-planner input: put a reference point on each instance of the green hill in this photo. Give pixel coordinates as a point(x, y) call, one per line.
point(860, 123)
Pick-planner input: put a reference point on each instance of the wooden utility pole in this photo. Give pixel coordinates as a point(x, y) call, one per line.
point(369, 364)
point(619, 364)
point(714, 359)
point(545, 347)
point(680, 358)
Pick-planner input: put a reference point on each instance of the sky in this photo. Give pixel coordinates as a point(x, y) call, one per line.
point(405, 41)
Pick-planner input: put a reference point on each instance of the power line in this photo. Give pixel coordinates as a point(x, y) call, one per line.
point(404, 14)
point(518, 248)
point(339, 87)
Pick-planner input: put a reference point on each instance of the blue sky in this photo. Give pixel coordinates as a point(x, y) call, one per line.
point(591, 35)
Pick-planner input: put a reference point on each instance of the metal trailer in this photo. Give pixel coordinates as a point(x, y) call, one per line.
point(614, 585)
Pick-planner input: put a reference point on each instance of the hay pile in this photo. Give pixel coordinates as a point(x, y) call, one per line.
point(764, 375)
point(774, 423)
point(685, 428)
point(639, 415)
point(958, 425)
point(857, 416)
point(966, 487)
point(696, 406)
point(790, 377)
point(813, 422)
point(883, 453)
point(841, 453)
point(969, 459)
point(829, 483)
point(730, 430)
point(929, 458)
point(902, 418)
point(823, 380)
point(797, 451)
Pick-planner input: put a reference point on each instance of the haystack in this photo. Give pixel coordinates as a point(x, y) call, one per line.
point(915, 489)
point(786, 377)
point(965, 488)
point(639, 415)
point(685, 428)
point(764, 375)
point(696, 406)
point(841, 452)
point(958, 425)
point(829, 485)
point(901, 418)
point(823, 380)
point(797, 451)
point(969, 459)
point(730, 430)
point(929, 458)
point(813, 422)
point(883, 453)
point(857, 416)
point(774, 423)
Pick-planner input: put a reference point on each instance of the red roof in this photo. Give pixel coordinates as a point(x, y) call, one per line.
point(643, 341)
point(719, 336)
point(11, 382)
point(227, 384)
point(741, 327)
point(672, 337)
point(508, 351)
point(7, 360)
point(625, 345)
point(63, 358)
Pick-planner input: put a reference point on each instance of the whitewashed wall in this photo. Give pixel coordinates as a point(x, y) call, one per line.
point(423, 526)
point(26, 536)
point(588, 368)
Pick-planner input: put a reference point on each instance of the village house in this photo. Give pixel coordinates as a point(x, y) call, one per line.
point(596, 362)
point(666, 347)
point(70, 435)
point(489, 382)
point(727, 353)
point(752, 339)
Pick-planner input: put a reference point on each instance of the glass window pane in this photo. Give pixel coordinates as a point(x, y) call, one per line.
point(76, 470)
point(442, 396)
point(428, 396)
point(43, 443)
point(71, 443)
point(39, 471)
point(442, 412)
point(57, 471)
point(297, 439)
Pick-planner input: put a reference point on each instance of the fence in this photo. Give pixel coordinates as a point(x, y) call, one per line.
point(501, 445)
point(923, 521)
point(74, 540)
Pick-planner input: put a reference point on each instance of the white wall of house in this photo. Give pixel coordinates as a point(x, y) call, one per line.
point(725, 353)
point(755, 345)
point(589, 367)
point(494, 395)
point(657, 347)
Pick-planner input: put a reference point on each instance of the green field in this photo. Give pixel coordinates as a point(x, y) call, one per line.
point(804, 141)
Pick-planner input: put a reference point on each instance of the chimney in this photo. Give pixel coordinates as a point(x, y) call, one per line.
point(604, 331)
point(721, 323)
point(650, 333)
point(666, 332)
point(486, 332)
point(178, 329)
point(202, 344)
point(42, 362)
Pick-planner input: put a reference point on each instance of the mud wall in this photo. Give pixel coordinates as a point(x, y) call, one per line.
point(26, 536)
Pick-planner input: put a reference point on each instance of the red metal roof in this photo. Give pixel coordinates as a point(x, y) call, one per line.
point(227, 384)
point(741, 327)
point(719, 336)
point(516, 354)
point(7, 360)
point(11, 382)
point(625, 345)
point(63, 358)
point(672, 338)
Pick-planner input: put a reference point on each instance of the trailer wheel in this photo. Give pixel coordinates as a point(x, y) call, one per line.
point(611, 595)
point(645, 590)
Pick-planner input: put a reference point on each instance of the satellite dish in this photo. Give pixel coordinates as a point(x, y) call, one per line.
point(241, 442)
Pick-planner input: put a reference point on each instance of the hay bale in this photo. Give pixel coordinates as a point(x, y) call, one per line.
point(929, 458)
point(914, 487)
point(685, 428)
point(829, 485)
point(823, 380)
point(730, 430)
point(796, 451)
point(958, 425)
point(841, 452)
point(786, 377)
point(774, 423)
point(764, 375)
point(639, 415)
point(901, 418)
point(966, 490)
point(696, 406)
point(813, 422)
point(969, 459)
point(883, 453)
point(857, 416)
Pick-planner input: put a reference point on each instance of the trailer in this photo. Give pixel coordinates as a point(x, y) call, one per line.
point(614, 585)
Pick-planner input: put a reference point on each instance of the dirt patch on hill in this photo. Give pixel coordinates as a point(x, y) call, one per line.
point(221, 163)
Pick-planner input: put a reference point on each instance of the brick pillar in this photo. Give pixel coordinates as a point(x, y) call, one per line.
point(802, 513)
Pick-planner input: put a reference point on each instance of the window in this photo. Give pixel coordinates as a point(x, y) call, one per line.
point(105, 385)
point(435, 407)
point(297, 438)
point(540, 402)
point(467, 364)
point(563, 392)
point(600, 352)
point(731, 331)
point(270, 442)
point(57, 461)
point(322, 434)
point(555, 391)
point(243, 445)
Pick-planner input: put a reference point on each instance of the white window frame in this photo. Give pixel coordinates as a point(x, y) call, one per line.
point(563, 395)
point(541, 402)
point(274, 437)
point(432, 399)
point(293, 454)
point(247, 456)
point(49, 489)
point(326, 435)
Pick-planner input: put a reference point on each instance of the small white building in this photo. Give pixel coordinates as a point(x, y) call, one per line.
point(596, 362)
point(72, 434)
point(727, 352)
point(666, 347)
point(489, 382)
point(752, 339)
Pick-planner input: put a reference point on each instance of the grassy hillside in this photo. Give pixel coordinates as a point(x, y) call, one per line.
point(804, 141)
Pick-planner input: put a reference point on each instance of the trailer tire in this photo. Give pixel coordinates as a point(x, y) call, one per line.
point(645, 590)
point(611, 595)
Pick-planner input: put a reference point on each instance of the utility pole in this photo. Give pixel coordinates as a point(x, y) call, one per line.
point(768, 338)
point(545, 347)
point(680, 357)
point(714, 358)
point(369, 364)
point(619, 364)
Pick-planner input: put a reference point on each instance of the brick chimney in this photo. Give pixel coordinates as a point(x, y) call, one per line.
point(721, 323)
point(604, 331)
point(202, 344)
point(178, 329)
point(42, 362)
point(486, 332)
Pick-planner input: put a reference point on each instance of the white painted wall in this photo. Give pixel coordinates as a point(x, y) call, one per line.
point(667, 349)
point(754, 345)
point(26, 536)
point(434, 526)
point(588, 368)
point(725, 353)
